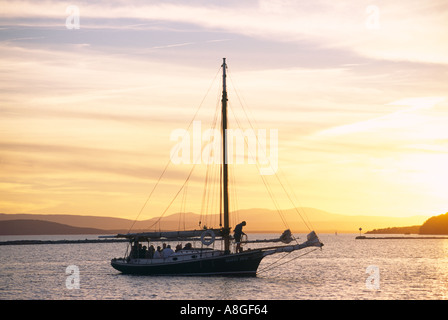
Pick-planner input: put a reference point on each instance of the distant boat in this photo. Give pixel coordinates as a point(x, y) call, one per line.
point(204, 261)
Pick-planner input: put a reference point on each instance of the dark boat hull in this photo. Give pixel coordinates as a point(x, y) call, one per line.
point(241, 264)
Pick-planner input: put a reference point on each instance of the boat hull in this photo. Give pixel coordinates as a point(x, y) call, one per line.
point(241, 264)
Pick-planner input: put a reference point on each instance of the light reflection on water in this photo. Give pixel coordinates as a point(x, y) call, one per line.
point(408, 269)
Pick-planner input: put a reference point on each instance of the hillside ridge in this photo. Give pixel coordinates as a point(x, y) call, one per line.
point(41, 227)
point(436, 225)
point(258, 220)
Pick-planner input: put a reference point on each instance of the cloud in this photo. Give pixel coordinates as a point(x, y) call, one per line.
point(77, 162)
point(411, 31)
point(394, 120)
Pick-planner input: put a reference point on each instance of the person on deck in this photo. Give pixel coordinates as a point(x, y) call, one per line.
point(157, 253)
point(134, 251)
point(150, 252)
point(143, 251)
point(238, 232)
point(167, 251)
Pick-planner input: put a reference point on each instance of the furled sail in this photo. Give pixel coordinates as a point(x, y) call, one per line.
point(171, 234)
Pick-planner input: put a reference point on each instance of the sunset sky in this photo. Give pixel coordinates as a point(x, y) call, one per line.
point(358, 91)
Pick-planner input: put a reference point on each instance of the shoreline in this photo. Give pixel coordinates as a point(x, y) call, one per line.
point(393, 238)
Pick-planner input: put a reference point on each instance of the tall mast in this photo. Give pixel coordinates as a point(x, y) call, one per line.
point(224, 159)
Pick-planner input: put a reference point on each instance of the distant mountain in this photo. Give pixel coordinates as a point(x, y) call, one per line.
point(434, 225)
point(39, 227)
point(258, 220)
point(105, 223)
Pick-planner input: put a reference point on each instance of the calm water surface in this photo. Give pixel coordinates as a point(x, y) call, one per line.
point(406, 269)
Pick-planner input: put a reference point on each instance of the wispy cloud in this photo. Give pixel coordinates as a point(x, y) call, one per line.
point(392, 120)
point(405, 34)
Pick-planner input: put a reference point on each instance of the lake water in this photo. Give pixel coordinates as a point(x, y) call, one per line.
point(399, 270)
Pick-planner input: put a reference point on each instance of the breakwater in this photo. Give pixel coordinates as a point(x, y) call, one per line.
point(393, 238)
point(32, 242)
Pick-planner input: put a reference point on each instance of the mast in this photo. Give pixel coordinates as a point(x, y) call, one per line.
point(224, 159)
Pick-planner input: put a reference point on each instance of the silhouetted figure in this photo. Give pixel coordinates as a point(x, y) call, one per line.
point(150, 253)
point(167, 252)
point(238, 232)
point(158, 253)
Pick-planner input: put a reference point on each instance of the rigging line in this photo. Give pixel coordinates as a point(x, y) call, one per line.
point(280, 212)
point(211, 198)
point(167, 165)
point(263, 178)
point(275, 173)
point(184, 205)
point(183, 208)
point(234, 197)
point(234, 214)
point(207, 174)
point(211, 169)
point(147, 199)
point(220, 196)
point(268, 188)
point(204, 196)
point(233, 184)
point(297, 199)
point(195, 162)
point(169, 205)
point(268, 267)
point(264, 270)
point(220, 182)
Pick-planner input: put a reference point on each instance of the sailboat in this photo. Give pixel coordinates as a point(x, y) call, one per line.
point(203, 260)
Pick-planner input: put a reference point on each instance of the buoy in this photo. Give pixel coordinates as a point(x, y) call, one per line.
point(207, 233)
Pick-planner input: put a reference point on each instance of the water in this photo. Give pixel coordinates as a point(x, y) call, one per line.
point(405, 270)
